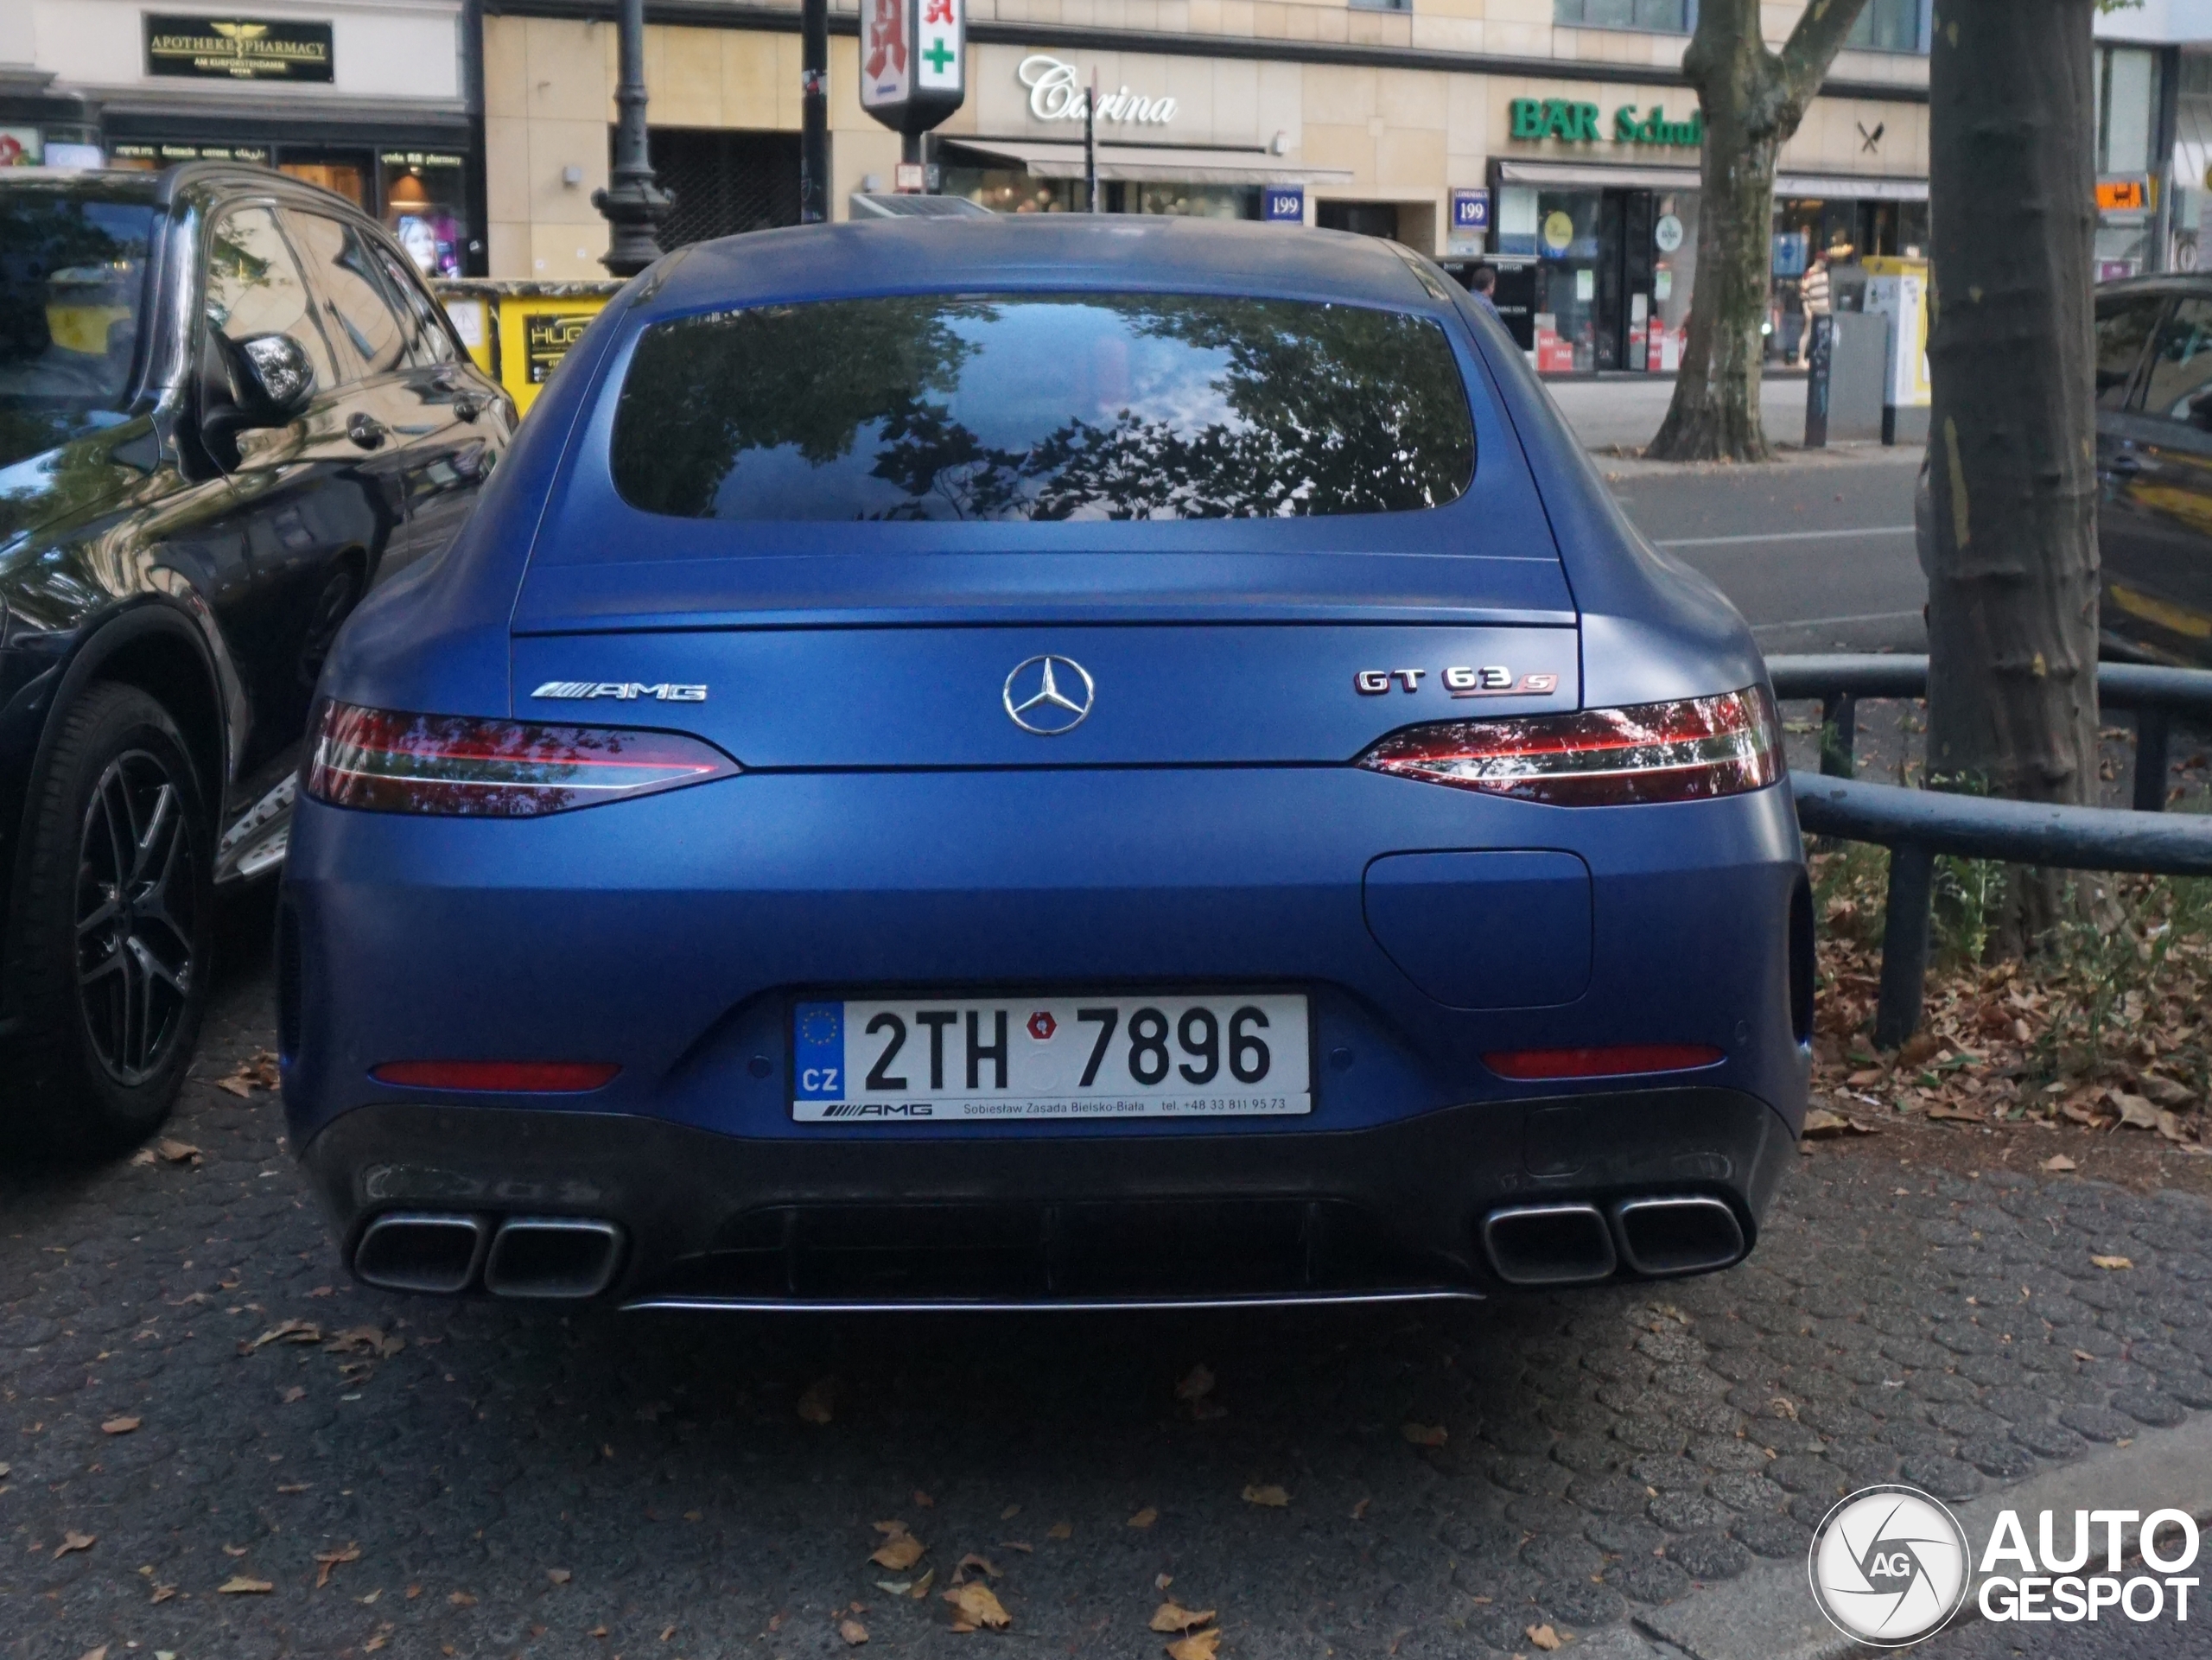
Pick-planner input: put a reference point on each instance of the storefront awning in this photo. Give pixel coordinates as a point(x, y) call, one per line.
point(1596, 175)
point(1144, 164)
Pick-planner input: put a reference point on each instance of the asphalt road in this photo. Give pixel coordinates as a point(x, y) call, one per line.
point(1817, 556)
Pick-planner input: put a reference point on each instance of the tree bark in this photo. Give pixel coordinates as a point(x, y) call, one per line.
point(1753, 98)
point(2012, 586)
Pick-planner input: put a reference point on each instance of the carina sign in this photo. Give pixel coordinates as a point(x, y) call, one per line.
point(1055, 94)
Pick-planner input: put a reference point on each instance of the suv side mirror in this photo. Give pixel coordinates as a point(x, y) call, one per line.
point(271, 380)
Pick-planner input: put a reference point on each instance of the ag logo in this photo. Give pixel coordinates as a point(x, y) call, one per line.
point(1889, 1565)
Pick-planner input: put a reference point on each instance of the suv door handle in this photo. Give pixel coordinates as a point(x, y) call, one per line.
point(365, 431)
point(466, 407)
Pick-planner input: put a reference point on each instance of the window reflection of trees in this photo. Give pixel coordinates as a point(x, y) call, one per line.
point(72, 285)
point(1318, 408)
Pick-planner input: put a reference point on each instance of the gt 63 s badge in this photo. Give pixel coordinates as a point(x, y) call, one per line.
point(1493, 680)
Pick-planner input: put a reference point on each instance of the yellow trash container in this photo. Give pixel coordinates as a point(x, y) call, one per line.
point(518, 331)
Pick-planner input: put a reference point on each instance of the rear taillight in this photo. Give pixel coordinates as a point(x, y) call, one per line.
point(1610, 1060)
point(1692, 750)
point(388, 762)
point(505, 1077)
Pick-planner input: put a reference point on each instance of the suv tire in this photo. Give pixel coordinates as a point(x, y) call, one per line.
point(111, 955)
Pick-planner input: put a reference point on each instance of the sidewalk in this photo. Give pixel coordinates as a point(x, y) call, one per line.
point(1616, 418)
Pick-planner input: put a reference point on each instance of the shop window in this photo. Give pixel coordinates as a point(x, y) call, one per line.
point(724, 183)
point(346, 175)
point(1888, 26)
point(1010, 190)
point(426, 206)
point(1668, 17)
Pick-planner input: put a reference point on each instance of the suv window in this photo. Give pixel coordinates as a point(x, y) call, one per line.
point(2124, 327)
point(1043, 406)
point(254, 286)
point(428, 343)
point(353, 293)
point(2181, 365)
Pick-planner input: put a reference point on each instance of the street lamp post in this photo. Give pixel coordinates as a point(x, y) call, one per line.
point(814, 112)
point(632, 204)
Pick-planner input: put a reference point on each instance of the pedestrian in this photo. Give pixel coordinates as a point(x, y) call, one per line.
point(1812, 288)
point(1483, 284)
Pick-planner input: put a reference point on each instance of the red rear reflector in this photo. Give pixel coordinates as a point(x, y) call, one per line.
point(1614, 1060)
point(1690, 750)
point(498, 1077)
point(448, 764)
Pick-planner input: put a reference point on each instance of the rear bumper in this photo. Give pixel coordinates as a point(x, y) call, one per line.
point(711, 1220)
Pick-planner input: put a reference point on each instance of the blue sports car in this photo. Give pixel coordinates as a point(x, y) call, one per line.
point(1058, 761)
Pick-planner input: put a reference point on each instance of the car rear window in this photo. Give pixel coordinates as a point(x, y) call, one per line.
point(1042, 407)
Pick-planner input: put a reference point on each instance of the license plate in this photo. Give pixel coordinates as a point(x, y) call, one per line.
point(903, 1060)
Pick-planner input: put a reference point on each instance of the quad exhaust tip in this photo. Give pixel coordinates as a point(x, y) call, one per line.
point(570, 1256)
point(1574, 1242)
point(1685, 1234)
point(1565, 1243)
point(415, 1251)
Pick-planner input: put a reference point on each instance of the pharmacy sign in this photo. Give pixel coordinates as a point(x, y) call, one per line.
point(913, 62)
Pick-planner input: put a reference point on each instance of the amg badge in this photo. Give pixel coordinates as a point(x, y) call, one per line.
point(626, 692)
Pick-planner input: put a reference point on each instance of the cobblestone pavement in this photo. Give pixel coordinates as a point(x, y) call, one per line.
point(517, 1482)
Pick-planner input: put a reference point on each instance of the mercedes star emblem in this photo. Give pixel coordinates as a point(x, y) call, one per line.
point(1035, 700)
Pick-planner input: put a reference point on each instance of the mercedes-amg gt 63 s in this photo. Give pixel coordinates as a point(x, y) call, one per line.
point(1043, 762)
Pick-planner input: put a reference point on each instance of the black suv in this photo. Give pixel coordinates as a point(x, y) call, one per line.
point(228, 408)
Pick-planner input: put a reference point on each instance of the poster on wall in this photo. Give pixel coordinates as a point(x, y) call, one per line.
point(202, 48)
point(21, 147)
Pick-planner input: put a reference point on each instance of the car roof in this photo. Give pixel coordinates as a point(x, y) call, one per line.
point(1099, 253)
point(197, 179)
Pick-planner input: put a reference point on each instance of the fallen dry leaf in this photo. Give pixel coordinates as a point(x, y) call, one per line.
point(1058, 1530)
point(1173, 1617)
point(922, 1585)
point(100, 1653)
point(1360, 1511)
point(1821, 1125)
point(330, 1559)
point(924, 1500)
point(853, 1632)
point(1145, 1517)
point(1426, 1435)
point(178, 1152)
point(461, 1599)
point(163, 1593)
point(1021, 1545)
point(1199, 1645)
point(1945, 1112)
point(376, 1642)
point(285, 1331)
point(234, 1550)
point(559, 1575)
point(120, 1426)
point(143, 1157)
point(901, 1550)
point(973, 1605)
point(2114, 1262)
point(2060, 1161)
point(814, 1403)
point(75, 1541)
point(258, 1073)
point(1273, 1497)
point(1544, 1637)
point(366, 1340)
point(971, 1560)
point(239, 1585)
point(285, 1397)
point(667, 1631)
point(1009, 1512)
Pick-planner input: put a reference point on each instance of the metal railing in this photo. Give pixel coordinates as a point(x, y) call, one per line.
point(1916, 825)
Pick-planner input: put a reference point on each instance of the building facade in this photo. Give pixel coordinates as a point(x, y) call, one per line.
point(375, 101)
point(1553, 138)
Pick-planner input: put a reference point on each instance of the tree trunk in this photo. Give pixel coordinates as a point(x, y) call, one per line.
point(2012, 589)
point(1753, 100)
